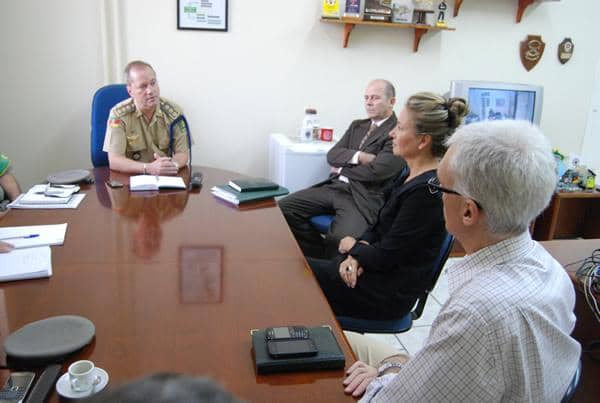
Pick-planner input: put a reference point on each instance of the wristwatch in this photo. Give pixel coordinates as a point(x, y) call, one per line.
point(387, 365)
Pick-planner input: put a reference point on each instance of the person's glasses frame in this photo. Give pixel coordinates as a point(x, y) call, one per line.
point(435, 187)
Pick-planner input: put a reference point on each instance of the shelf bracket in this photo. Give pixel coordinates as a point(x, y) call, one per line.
point(419, 32)
point(523, 4)
point(348, 27)
point(457, 4)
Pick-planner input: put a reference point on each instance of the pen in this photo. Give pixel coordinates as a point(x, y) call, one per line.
point(20, 237)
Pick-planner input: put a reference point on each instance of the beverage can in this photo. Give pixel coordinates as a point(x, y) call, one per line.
point(326, 134)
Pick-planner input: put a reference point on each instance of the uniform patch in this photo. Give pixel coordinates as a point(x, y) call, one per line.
point(114, 123)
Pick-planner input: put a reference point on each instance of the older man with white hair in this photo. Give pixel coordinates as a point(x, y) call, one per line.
point(504, 333)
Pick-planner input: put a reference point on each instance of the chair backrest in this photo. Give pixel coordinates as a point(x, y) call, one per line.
point(104, 99)
point(405, 323)
point(438, 266)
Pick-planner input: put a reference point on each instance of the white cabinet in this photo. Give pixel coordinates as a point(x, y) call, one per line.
point(297, 165)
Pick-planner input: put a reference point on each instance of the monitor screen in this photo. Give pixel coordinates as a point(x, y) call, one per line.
point(498, 104)
point(490, 100)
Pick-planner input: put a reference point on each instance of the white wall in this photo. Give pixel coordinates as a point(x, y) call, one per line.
point(276, 59)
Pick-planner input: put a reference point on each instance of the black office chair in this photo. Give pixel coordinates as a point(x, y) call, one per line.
point(405, 323)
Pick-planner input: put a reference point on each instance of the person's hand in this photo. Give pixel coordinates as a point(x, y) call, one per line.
point(5, 247)
point(359, 377)
point(365, 158)
point(346, 244)
point(162, 166)
point(350, 271)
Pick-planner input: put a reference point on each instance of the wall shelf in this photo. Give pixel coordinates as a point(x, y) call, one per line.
point(523, 4)
point(420, 29)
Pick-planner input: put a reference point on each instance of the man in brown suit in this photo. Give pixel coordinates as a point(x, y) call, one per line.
point(362, 165)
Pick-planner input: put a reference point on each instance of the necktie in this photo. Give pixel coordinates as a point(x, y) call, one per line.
point(364, 139)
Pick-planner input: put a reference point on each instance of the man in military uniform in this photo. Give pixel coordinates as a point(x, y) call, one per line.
point(138, 134)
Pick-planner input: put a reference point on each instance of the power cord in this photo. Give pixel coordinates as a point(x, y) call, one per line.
point(588, 274)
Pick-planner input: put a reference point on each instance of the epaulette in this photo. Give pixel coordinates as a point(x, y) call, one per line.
point(170, 109)
point(123, 108)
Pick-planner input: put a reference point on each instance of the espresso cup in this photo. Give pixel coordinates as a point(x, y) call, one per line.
point(82, 375)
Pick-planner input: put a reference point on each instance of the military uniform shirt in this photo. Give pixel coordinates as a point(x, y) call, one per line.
point(129, 134)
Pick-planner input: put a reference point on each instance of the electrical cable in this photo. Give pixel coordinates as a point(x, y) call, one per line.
point(588, 274)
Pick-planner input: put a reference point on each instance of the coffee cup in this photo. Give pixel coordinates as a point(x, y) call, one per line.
point(82, 375)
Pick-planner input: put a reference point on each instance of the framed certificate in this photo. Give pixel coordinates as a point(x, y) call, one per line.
point(208, 15)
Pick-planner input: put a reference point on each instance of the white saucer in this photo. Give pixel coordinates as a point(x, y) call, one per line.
point(63, 386)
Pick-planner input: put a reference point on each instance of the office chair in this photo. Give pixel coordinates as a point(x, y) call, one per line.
point(405, 323)
point(321, 222)
point(104, 99)
point(573, 385)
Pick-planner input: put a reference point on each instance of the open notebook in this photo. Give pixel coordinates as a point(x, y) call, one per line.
point(152, 182)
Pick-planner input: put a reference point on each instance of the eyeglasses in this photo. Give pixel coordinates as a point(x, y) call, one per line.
point(434, 187)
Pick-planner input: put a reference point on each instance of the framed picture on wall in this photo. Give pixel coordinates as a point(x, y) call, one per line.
point(203, 15)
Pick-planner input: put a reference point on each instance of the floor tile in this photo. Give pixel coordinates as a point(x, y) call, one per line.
point(388, 339)
point(440, 291)
point(432, 308)
point(414, 339)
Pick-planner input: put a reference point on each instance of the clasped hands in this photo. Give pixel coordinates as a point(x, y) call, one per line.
point(162, 166)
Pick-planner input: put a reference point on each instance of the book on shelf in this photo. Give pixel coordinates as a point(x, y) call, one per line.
point(252, 184)
point(229, 194)
point(152, 182)
point(329, 354)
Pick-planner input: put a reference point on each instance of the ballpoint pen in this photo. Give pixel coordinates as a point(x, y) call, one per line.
point(20, 237)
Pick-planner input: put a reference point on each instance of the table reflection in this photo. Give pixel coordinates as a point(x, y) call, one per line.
point(201, 274)
point(148, 210)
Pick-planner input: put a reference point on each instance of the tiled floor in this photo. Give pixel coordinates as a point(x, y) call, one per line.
point(410, 342)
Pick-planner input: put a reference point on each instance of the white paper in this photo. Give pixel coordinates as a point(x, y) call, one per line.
point(224, 195)
point(72, 204)
point(21, 264)
point(46, 194)
point(48, 235)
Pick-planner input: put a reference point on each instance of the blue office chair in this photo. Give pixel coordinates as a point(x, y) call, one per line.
point(321, 223)
point(573, 385)
point(405, 323)
point(104, 99)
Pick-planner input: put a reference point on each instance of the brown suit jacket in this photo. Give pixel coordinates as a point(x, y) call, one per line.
point(368, 181)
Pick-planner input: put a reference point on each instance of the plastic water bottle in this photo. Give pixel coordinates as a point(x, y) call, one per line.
point(309, 124)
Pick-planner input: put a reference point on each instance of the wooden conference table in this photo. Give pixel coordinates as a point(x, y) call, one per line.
point(174, 281)
point(587, 328)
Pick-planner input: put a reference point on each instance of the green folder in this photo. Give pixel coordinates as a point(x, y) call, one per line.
point(236, 197)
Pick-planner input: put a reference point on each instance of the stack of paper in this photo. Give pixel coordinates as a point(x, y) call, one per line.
point(49, 196)
point(34, 235)
point(22, 264)
point(31, 257)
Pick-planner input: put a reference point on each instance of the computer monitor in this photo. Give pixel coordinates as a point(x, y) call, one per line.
point(490, 100)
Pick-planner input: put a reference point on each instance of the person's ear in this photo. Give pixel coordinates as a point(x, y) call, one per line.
point(471, 213)
point(129, 90)
point(424, 141)
point(392, 101)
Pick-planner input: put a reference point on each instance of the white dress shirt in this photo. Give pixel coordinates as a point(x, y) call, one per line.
point(502, 336)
